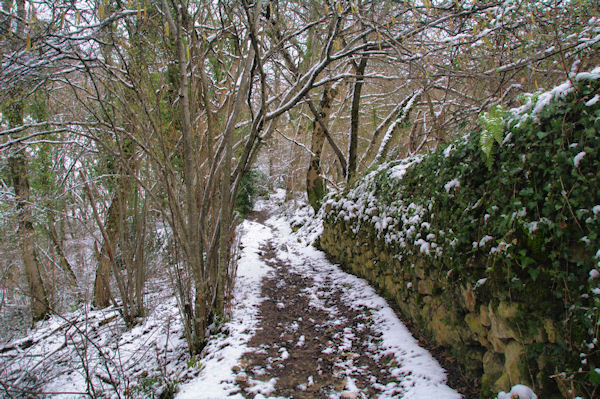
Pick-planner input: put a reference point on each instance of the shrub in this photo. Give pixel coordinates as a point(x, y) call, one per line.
point(254, 183)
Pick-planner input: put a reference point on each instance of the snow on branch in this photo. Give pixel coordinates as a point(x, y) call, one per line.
point(402, 117)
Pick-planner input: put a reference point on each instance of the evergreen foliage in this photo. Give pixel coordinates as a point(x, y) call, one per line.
point(526, 219)
point(253, 184)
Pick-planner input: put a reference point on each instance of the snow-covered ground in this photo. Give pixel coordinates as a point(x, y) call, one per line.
point(223, 352)
point(91, 352)
point(418, 374)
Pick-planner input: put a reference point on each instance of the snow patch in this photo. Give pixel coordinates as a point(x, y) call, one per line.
point(216, 380)
point(452, 183)
point(592, 101)
point(577, 159)
point(448, 150)
point(518, 392)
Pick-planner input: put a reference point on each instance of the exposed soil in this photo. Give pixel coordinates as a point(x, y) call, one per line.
point(311, 343)
point(309, 353)
point(457, 379)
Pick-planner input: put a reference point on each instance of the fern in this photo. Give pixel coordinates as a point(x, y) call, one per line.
point(493, 130)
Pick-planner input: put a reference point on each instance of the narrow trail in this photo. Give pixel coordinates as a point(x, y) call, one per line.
point(317, 332)
point(312, 341)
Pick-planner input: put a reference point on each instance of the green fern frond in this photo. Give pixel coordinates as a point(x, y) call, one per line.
point(493, 130)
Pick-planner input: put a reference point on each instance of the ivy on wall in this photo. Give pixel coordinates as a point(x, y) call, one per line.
point(524, 195)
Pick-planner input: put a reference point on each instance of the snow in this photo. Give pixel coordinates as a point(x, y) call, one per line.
point(158, 342)
point(594, 74)
point(533, 109)
point(216, 380)
point(545, 98)
point(70, 347)
point(592, 101)
point(261, 388)
point(518, 392)
point(577, 159)
point(424, 246)
point(427, 378)
point(485, 240)
point(309, 226)
point(452, 183)
point(448, 150)
point(401, 118)
point(398, 171)
point(456, 39)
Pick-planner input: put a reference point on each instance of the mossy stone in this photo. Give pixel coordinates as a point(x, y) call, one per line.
point(507, 310)
point(500, 328)
point(484, 316)
point(551, 331)
point(444, 330)
point(474, 323)
point(493, 368)
point(502, 383)
point(425, 287)
point(468, 297)
point(512, 362)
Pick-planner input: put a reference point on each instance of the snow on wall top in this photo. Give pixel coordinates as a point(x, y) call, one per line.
point(536, 104)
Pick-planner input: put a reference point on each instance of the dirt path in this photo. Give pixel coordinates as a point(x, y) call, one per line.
point(313, 342)
point(306, 329)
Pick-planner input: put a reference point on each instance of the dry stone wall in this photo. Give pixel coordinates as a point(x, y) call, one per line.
point(493, 250)
point(484, 332)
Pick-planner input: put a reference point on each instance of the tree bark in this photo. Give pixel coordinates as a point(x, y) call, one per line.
point(39, 302)
point(20, 179)
point(17, 161)
point(40, 307)
point(225, 231)
point(63, 261)
point(315, 184)
point(102, 292)
point(354, 117)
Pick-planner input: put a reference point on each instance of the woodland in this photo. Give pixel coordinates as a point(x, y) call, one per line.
point(135, 135)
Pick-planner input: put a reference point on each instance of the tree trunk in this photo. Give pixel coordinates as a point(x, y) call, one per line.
point(39, 302)
point(225, 231)
point(18, 167)
point(315, 184)
point(354, 117)
point(102, 293)
point(17, 161)
point(140, 258)
point(58, 248)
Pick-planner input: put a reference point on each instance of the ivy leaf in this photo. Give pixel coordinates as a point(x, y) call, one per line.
point(541, 135)
point(594, 377)
point(534, 273)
